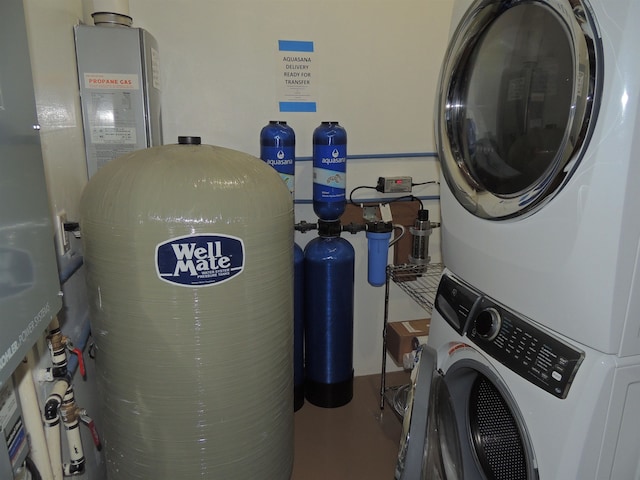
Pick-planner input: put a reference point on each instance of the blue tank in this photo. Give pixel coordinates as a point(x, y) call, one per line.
point(329, 287)
point(329, 171)
point(298, 327)
point(278, 149)
point(378, 237)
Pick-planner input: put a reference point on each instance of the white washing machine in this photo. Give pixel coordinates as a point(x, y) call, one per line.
point(497, 397)
point(532, 368)
point(539, 142)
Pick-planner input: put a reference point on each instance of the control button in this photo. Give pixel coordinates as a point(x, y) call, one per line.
point(557, 376)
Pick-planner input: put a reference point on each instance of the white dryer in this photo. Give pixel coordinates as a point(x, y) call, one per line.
point(539, 141)
point(496, 397)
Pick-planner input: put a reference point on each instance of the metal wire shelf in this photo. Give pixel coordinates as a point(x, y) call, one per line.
point(420, 282)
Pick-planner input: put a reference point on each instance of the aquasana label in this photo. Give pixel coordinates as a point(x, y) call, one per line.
point(200, 260)
point(329, 172)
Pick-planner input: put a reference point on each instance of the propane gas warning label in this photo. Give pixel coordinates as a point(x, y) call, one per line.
point(111, 81)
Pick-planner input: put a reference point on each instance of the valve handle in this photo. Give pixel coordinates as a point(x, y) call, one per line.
point(88, 421)
point(77, 352)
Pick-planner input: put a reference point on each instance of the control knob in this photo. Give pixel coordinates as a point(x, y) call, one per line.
point(487, 323)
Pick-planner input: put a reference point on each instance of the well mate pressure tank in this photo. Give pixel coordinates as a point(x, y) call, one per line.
point(189, 258)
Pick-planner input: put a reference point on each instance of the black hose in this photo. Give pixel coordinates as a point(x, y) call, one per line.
point(33, 470)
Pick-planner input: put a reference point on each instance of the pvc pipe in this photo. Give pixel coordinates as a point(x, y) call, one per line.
point(70, 411)
point(70, 269)
point(52, 422)
point(31, 415)
point(76, 465)
point(58, 350)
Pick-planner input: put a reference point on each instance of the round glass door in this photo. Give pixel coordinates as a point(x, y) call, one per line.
point(517, 103)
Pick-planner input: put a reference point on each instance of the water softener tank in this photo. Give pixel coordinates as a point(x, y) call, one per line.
point(329, 288)
point(189, 258)
point(298, 327)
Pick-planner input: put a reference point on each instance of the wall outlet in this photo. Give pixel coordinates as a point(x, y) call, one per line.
point(62, 237)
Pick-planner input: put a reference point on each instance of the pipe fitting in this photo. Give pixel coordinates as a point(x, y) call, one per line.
point(354, 228)
point(57, 348)
point(304, 226)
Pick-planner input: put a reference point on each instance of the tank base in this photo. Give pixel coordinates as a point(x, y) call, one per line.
point(329, 395)
point(298, 397)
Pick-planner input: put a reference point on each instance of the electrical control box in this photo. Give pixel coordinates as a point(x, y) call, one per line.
point(14, 446)
point(29, 284)
point(119, 75)
point(394, 184)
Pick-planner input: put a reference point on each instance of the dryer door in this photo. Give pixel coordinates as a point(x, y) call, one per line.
point(518, 97)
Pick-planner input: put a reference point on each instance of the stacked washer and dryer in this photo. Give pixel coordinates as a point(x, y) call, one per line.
point(532, 367)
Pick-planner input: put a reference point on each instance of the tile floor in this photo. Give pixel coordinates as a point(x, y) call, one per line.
point(354, 442)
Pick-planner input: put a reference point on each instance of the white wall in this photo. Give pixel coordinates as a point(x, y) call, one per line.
point(377, 68)
point(376, 64)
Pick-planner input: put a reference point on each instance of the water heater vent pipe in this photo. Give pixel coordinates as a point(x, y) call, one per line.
point(111, 13)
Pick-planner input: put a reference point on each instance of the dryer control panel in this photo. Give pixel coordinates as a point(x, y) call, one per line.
point(513, 340)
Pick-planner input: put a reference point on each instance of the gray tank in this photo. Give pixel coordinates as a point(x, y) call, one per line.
point(189, 260)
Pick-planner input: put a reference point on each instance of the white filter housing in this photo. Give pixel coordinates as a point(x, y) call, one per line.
point(189, 256)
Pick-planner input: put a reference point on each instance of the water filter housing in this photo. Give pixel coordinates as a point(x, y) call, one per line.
point(278, 149)
point(189, 257)
point(329, 171)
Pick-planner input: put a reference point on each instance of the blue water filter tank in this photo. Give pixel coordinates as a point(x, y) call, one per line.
point(298, 327)
point(277, 148)
point(329, 287)
point(378, 237)
point(329, 170)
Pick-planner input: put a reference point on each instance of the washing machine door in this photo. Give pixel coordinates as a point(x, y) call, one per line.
point(495, 443)
point(430, 445)
point(517, 102)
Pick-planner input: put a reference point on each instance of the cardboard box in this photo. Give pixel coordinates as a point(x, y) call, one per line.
point(401, 334)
